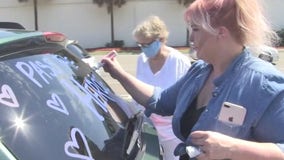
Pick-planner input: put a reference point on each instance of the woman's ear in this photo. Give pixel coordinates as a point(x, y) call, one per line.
point(222, 32)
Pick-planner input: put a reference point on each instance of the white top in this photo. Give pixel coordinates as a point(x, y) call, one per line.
point(175, 66)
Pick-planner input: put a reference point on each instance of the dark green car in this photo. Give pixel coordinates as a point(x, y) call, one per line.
point(53, 106)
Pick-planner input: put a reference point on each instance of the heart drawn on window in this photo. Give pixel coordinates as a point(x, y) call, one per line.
point(56, 103)
point(8, 97)
point(78, 142)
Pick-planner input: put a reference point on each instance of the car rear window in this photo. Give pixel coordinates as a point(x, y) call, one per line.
point(53, 108)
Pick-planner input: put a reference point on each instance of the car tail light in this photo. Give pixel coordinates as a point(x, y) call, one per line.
point(54, 36)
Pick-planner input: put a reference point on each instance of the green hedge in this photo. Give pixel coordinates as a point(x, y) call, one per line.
point(281, 35)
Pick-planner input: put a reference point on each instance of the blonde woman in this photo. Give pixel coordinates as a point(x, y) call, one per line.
point(161, 66)
point(227, 75)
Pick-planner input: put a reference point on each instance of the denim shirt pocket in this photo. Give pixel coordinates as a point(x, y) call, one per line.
point(232, 130)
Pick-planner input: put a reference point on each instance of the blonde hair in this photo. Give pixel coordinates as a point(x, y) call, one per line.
point(153, 27)
point(243, 18)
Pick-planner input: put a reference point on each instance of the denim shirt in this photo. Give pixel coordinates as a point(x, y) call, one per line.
point(248, 81)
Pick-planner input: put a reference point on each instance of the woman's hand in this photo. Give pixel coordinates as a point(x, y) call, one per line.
point(214, 145)
point(112, 66)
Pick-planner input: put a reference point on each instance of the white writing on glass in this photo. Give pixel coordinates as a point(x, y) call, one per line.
point(41, 72)
point(56, 103)
point(8, 97)
point(31, 68)
point(84, 99)
point(97, 95)
point(73, 144)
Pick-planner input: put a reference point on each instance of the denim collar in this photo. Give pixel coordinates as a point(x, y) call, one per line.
point(233, 67)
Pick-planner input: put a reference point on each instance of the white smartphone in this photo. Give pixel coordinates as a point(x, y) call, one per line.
point(232, 113)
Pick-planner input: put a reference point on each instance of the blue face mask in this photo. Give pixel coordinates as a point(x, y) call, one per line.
point(152, 50)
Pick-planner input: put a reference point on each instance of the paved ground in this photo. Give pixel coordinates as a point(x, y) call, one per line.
point(128, 62)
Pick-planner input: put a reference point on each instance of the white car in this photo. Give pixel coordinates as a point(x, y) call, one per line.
point(269, 54)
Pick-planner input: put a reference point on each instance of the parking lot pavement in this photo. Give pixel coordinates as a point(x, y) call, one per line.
point(128, 62)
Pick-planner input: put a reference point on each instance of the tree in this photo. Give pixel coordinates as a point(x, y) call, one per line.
point(110, 4)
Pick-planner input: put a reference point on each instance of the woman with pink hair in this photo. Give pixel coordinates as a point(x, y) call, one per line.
point(230, 104)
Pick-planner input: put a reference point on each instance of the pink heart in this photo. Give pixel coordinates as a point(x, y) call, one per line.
point(8, 97)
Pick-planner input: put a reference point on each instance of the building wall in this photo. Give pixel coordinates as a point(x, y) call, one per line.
point(90, 25)
point(13, 11)
point(127, 17)
point(84, 21)
point(274, 13)
point(78, 19)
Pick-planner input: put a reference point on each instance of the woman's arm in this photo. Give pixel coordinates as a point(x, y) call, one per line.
point(253, 150)
point(140, 91)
